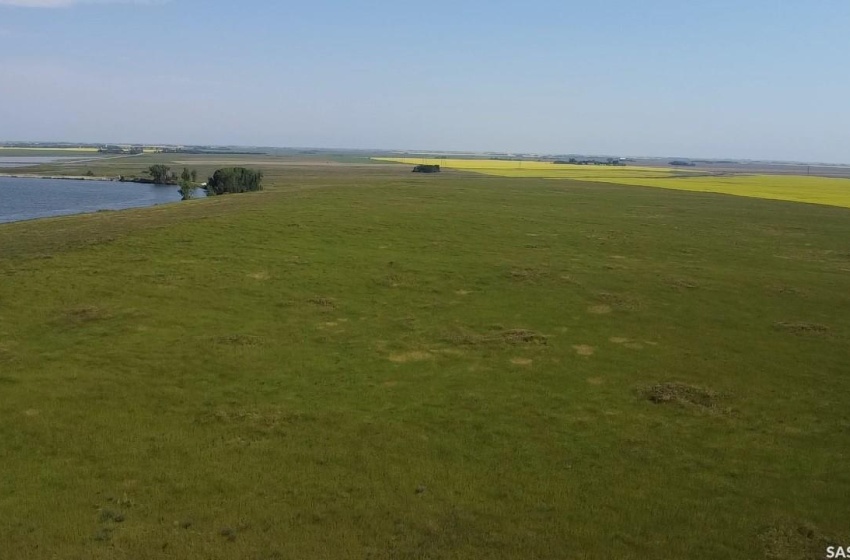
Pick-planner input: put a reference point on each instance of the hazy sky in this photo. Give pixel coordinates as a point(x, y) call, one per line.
point(747, 78)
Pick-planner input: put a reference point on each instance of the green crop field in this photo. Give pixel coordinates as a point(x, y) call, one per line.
point(816, 190)
point(361, 362)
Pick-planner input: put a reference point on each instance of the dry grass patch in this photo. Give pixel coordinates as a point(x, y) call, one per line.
point(794, 541)
point(413, 356)
point(801, 328)
point(527, 274)
point(682, 394)
point(683, 283)
point(463, 337)
point(584, 349)
point(237, 340)
point(258, 419)
point(619, 302)
point(262, 275)
point(85, 314)
point(6, 354)
point(600, 309)
point(323, 302)
point(520, 336)
point(525, 362)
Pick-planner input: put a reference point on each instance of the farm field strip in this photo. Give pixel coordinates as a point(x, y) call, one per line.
point(792, 188)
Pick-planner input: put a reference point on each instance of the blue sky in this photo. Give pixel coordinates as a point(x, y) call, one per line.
point(745, 79)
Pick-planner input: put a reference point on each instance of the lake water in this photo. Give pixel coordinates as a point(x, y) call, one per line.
point(26, 199)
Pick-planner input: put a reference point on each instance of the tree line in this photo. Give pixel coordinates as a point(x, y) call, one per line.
point(223, 181)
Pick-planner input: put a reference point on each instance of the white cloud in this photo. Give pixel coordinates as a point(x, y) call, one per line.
point(65, 3)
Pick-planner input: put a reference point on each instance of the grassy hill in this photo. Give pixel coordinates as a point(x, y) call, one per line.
point(360, 362)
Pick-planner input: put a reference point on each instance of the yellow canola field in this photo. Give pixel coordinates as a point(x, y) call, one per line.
point(794, 188)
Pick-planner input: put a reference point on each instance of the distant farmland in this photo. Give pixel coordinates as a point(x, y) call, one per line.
point(794, 188)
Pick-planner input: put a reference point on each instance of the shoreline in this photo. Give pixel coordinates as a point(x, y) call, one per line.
point(114, 179)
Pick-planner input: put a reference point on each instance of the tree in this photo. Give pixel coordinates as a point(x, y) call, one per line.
point(194, 175)
point(234, 180)
point(425, 168)
point(187, 189)
point(186, 176)
point(161, 174)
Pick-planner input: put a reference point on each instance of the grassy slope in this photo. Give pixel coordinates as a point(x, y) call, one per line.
point(274, 375)
point(792, 188)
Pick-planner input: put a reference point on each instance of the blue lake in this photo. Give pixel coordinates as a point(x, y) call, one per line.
point(26, 199)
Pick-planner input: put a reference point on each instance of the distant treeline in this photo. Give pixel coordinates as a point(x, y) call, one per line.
point(202, 152)
point(682, 163)
point(425, 168)
point(132, 150)
point(575, 161)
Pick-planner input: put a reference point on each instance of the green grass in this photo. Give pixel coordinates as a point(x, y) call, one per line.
point(366, 363)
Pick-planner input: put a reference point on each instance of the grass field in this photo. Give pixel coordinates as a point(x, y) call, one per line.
point(205, 165)
point(8, 151)
point(362, 362)
point(816, 190)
